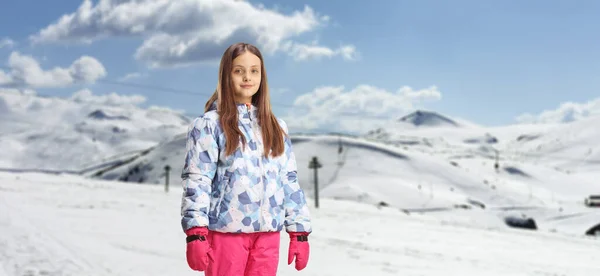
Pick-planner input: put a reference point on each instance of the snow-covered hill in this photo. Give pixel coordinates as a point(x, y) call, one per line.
point(150, 168)
point(70, 134)
point(573, 147)
point(78, 226)
point(384, 175)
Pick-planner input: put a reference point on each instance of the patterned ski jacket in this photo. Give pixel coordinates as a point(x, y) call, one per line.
point(243, 192)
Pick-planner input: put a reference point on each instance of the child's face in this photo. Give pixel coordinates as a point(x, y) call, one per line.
point(246, 76)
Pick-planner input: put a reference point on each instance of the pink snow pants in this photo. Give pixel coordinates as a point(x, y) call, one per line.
point(243, 254)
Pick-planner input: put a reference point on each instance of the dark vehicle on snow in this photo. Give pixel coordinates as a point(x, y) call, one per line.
point(592, 201)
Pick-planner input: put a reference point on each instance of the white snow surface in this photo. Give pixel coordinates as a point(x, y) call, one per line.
point(71, 225)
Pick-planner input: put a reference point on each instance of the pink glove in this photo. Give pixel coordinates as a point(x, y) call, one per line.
point(197, 248)
point(299, 248)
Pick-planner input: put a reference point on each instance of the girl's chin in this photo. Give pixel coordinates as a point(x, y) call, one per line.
point(246, 92)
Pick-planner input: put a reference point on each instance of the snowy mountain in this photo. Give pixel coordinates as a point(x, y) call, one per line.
point(70, 134)
point(425, 125)
point(569, 147)
point(428, 119)
point(460, 139)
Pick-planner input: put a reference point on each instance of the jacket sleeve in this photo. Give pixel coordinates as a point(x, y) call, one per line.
point(200, 167)
point(297, 215)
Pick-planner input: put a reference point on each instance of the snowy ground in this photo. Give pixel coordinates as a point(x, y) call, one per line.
point(69, 225)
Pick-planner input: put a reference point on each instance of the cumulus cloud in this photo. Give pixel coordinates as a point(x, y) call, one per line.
point(183, 32)
point(112, 99)
point(565, 113)
point(26, 71)
point(362, 108)
point(7, 42)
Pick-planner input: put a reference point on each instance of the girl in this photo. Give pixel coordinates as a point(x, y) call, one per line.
point(240, 187)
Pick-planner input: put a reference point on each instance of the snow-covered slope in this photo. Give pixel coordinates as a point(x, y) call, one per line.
point(77, 226)
point(412, 181)
point(70, 134)
point(571, 147)
point(363, 171)
point(150, 168)
point(450, 142)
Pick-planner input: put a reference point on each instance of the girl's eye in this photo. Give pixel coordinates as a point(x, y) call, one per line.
point(255, 71)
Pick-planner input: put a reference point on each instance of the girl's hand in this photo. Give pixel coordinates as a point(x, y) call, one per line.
point(299, 248)
point(198, 248)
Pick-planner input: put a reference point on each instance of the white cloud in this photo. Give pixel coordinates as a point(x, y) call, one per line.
point(15, 91)
point(186, 32)
point(314, 51)
point(7, 42)
point(5, 78)
point(566, 112)
point(26, 71)
point(112, 99)
point(363, 108)
point(87, 69)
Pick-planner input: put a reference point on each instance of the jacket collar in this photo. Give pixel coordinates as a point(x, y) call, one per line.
point(246, 112)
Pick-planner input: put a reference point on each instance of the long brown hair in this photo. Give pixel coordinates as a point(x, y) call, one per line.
point(272, 133)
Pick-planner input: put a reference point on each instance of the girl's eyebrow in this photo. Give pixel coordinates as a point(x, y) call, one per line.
point(237, 65)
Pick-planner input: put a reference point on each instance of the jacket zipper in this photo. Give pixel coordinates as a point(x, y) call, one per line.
point(264, 186)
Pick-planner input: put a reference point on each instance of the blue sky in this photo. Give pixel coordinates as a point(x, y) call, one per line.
point(481, 61)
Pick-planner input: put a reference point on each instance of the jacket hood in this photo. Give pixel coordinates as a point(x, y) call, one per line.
point(213, 106)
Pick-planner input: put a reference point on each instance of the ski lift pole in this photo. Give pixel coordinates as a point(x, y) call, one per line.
point(167, 169)
point(315, 165)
